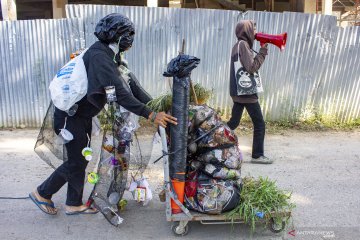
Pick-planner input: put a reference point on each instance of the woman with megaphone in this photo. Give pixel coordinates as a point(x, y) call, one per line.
point(245, 84)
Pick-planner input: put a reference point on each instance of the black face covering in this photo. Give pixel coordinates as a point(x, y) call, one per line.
point(126, 40)
point(114, 27)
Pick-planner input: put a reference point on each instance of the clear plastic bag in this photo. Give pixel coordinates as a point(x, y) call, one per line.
point(211, 196)
point(228, 157)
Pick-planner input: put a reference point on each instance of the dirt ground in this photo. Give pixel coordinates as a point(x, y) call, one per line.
point(321, 168)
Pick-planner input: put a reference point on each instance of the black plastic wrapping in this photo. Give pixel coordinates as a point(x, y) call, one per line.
point(179, 132)
point(113, 26)
point(180, 68)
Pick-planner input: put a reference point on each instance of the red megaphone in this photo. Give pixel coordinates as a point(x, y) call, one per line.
point(278, 40)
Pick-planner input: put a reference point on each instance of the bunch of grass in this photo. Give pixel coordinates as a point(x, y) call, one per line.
point(163, 102)
point(261, 196)
point(203, 95)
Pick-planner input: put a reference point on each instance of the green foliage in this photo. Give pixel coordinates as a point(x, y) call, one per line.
point(106, 117)
point(163, 102)
point(203, 95)
point(261, 195)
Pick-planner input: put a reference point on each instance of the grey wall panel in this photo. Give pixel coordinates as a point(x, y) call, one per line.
point(317, 74)
point(32, 52)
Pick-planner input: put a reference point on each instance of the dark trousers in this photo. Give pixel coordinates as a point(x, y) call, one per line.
point(71, 171)
point(256, 116)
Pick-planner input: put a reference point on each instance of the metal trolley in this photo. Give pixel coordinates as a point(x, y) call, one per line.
point(180, 221)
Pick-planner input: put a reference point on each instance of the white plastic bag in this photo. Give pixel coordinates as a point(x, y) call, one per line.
point(141, 191)
point(70, 84)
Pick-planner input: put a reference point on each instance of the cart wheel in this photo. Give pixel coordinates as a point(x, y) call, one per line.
point(179, 230)
point(276, 227)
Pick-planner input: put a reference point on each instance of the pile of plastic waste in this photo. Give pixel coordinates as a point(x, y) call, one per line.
point(213, 181)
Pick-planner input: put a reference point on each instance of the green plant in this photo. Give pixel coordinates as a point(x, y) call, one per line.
point(163, 102)
point(106, 117)
point(261, 195)
point(202, 94)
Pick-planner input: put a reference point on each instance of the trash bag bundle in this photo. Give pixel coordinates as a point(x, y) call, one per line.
point(204, 121)
point(228, 157)
point(211, 196)
point(214, 163)
point(217, 170)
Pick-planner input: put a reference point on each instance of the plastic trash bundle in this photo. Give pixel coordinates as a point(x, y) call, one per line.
point(211, 196)
point(221, 137)
point(216, 171)
point(198, 115)
point(122, 152)
point(227, 157)
point(220, 172)
point(203, 119)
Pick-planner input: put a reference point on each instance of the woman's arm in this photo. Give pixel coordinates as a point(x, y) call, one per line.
point(250, 63)
point(138, 91)
point(108, 75)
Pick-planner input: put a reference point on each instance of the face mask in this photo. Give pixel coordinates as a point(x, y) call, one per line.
point(65, 136)
point(116, 49)
point(126, 41)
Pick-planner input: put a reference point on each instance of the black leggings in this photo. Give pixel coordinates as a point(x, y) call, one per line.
point(71, 171)
point(256, 116)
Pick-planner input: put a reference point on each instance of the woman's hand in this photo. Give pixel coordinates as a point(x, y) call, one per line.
point(264, 45)
point(162, 119)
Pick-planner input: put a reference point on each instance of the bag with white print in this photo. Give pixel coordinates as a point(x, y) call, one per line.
point(246, 83)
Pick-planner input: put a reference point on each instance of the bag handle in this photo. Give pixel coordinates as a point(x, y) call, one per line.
point(238, 52)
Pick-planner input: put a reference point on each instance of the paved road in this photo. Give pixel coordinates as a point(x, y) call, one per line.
point(322, 169)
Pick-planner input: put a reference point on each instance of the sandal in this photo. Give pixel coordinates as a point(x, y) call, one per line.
point(88, 210)
point(41, 204)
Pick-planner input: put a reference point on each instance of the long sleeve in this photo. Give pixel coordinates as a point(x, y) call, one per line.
point(250, 63)
point(107, 75)
point(138, 91)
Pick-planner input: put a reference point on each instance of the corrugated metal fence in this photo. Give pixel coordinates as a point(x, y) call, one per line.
point(317, 73)
point(159, 32)
point(31, 53)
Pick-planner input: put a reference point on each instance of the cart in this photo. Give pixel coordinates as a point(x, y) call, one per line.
point(180, 221)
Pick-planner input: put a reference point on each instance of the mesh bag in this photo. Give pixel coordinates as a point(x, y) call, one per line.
point(48, 145)
point(121, 151)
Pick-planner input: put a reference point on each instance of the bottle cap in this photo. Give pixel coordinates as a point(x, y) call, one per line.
point(93, 178)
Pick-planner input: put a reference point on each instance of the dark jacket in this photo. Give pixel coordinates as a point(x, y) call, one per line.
point(245, 33)
point(102, 71)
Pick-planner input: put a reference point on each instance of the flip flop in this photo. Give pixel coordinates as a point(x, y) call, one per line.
point(85, 211)
point(39, 204)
